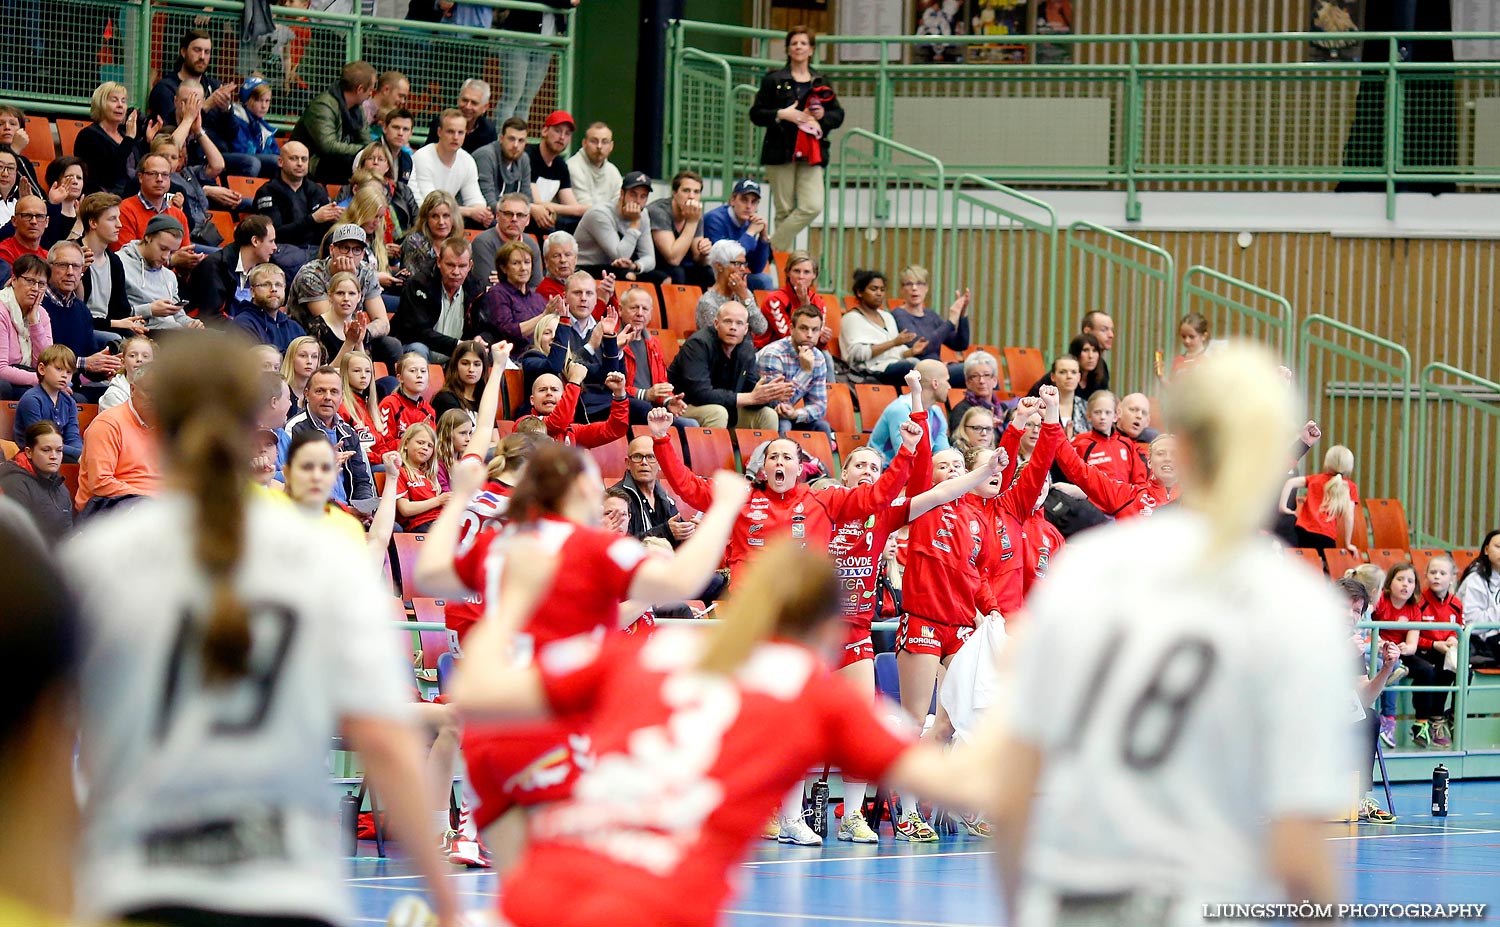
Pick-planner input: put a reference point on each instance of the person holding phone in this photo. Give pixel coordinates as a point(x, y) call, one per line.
point(150, 284)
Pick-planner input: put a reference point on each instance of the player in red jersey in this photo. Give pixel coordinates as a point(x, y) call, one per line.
point(942, 595)
point(1124, 500)
point(780, 503)
point(697, 735)
point(1005, 562)
point(558, 503)
point(856, 548)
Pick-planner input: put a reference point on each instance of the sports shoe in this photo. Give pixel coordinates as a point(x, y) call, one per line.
point(795, 830)
point(1398, 674)
point(469, 853)
point(975, 825)
point(1442, 736)
point(772, 830)
point(1372, 813)
point(1420, 735)
point(1388, 731)
point(913, 828)
point(854, 829)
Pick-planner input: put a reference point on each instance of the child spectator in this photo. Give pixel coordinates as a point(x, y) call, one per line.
point(32, 480)
point(974, 431)
point(1193, 335)
point(267, 358)
point(463, 378)
point(303, 356)
point(454, 430)
point(1398, 602)
point(1326, 516)
point(1367, 689)
point(406, 406)
point(361, 409)
point(136, 354)
point(253, 135)
point(1104, 447)
point(51, 401)
point(418, 499)
point(1437, 604)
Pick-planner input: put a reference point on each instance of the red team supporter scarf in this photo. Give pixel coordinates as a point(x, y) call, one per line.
point(809, 148)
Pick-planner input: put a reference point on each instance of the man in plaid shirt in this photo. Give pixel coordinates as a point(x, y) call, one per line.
point(797, 358)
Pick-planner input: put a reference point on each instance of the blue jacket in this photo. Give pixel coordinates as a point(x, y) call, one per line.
point(252, 134)
point(355, 486)
point(36, 406)
point(277, 330)
point(720, 224)
point(886, 436)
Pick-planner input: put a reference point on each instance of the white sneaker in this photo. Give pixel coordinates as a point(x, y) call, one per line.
point(854, 828)
point(796, 831)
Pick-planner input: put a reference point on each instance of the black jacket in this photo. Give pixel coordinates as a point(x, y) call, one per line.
point(778, 91)
point(644, 522)
point(709, 377)
point(417, 317)
point(291, 211)
point(211, 287)
point(45, 498)
point(119, 300)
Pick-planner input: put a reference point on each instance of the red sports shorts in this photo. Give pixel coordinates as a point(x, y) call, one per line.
point(527, 765)
point(923, 635)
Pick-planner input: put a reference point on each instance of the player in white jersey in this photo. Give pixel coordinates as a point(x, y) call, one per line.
point(230, 638)
point(1175, 759)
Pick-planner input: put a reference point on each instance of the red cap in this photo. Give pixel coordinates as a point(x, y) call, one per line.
point(558, 117)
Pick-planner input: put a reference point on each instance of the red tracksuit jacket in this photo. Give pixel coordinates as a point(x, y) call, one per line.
point(806, 515)
point(1114, 498)
point(560, 425)
point(1007, 561)
point(398, 412)
point(1113, 453)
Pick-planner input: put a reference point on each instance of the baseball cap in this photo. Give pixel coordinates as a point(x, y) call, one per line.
point(348, 232)
point(558, 117)
point(249, 86)
point(747, 186)
point(635, 179)
point(163, 223)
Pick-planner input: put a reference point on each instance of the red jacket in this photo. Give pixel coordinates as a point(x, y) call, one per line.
point(944, 549)
point(805, 514)
point(1113, 453)
point(1041, 542)
point(1113, 497)
point(560, 425)
point(655, 360)
point(778, 309)
point(1006, 518)
point(399, 413)
point(1442, 611)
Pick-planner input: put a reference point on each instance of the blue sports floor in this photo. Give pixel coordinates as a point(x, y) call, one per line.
point(951, 883)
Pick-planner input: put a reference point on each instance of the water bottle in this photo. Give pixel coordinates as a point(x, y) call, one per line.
point(349, 819)
point(820, 807)
point(1440, 791)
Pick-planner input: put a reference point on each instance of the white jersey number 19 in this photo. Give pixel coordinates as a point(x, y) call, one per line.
point(276, 621)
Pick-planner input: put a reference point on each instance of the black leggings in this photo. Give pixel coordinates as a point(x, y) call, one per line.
point(1426, 668)
point(1314, 540)
point(171, 916)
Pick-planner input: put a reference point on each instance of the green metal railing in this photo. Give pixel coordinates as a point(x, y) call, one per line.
point(1135, 282)
point(1236, 309)
point(1136, 112)
point(135, 41)
point(1458, 426)
point(889, 200)
point(1364, 382)
point(1005, 248)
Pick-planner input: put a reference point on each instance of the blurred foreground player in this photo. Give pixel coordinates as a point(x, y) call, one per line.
point(1178, 762)
point(217, 671)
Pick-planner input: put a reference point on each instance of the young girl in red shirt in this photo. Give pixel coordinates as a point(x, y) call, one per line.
point(1436, 604)
point(406, 406)
point(1398, 602)
point(418, 496)
point(1326, 517)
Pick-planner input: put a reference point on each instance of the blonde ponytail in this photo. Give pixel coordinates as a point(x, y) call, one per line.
point(788, 590)
point(205, 392)
point(1235, 458)
point(1337, 502)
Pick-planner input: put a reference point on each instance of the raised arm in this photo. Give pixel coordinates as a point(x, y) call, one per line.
point(689, 486)
point(489, 400)
point(948, 490)
point(435, 572)
point(1108, 494)
point(848, 504)
point(662, 581)
point(384, 522)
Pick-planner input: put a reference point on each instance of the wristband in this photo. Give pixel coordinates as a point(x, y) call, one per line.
point(470, 457)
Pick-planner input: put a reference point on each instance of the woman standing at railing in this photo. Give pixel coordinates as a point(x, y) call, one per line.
point(798, 108)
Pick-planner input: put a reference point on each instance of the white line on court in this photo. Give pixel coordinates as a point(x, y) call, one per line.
point(1439, 833)
point(844, 919)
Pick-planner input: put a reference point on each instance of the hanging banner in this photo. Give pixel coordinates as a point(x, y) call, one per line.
point(998, 18)
point(1053, 17)
point(939, 18)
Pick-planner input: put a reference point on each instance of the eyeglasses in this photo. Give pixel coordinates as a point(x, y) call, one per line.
point(268, 284)
point(739, 263)
point(980, 427)
point(32, 216)
point(67, 265)
point(33, 281)
point(641, 458)
point(7, 168)
point(154, 174)
point(512, 214)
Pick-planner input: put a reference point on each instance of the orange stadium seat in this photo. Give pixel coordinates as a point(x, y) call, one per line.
point(67, 132)
point(39, 145)
point(872, 399)
point(1387, 557)
point(680, 303)
point(611, 459)
point(1420, 556)
point(709, 450)
point(1388, 522)
point(1024, 366)
point(1312, 557)
point(1340, 561)
point(818, 445)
